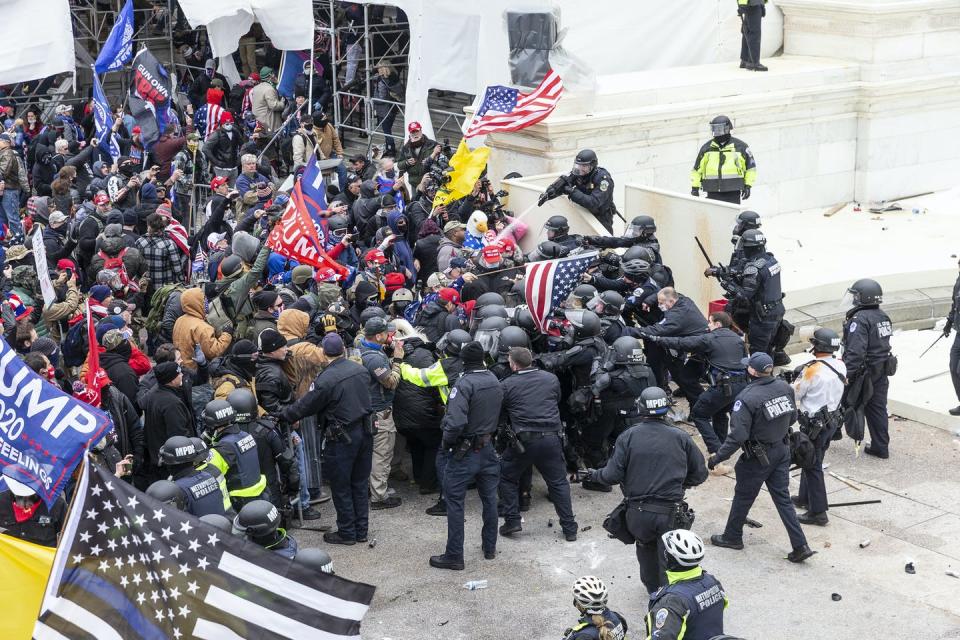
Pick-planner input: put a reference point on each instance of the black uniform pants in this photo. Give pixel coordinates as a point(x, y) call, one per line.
point(762, 331)
point(685, 374)
point(596, 437)
point(813, 489)
point(423, 445)
point(751, 475)
point(875, 411)
point(546, 454)
point(482, 466)
point(647, 527)
point(750, 39)
point(733, 197)
point(955, 363)
point(348, 469)
point(710, 414)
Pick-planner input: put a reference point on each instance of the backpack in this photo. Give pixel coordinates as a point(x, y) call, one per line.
point(158, 307)
point(74, 347)
point(116, 264)
point(802, 452)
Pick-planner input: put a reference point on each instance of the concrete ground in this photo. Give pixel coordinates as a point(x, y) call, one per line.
point(529, 592)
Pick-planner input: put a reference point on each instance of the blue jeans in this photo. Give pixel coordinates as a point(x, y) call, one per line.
point(341, 172)
point(10, 205)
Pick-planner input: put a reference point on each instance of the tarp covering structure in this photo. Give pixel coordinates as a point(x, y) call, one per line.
point(29, 51)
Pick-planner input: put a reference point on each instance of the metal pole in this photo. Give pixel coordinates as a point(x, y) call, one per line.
point(334, 52)
point(279, 131)
point(368, 104)
point(313, 46)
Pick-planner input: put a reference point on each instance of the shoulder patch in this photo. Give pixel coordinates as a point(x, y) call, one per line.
point(453, 393)
point(661, 618)
point(853, 326)
point(737, 405)
point(604, 185)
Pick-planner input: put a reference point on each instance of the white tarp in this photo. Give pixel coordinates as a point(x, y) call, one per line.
point(287, 23)
point(36, 40)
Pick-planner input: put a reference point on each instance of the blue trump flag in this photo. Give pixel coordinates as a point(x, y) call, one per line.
point(43, 431)
point(291, 66)
point(103, 119)
point(118, 48)
point(314, 191)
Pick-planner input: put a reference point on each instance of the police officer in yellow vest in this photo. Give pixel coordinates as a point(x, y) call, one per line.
point(725, 167)
point(751, 14)
point(234, 453)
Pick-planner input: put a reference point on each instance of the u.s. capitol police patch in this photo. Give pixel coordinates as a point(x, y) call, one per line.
point(661, 618)
point(737, 405)
point(453, 393)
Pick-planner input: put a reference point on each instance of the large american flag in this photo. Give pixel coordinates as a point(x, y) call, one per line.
point(549, 282)
point(129, 567)
point(506, 109)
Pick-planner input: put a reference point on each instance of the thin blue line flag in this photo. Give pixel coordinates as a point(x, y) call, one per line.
point(118, 48)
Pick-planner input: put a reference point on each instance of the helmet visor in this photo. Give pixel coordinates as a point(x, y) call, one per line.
point(575, 316)
point(849, 299)
point(582, 168)
point(489, 340)
point(719, 129)
point(633, 231)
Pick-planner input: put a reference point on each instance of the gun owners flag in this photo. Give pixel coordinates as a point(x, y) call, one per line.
point(118, 48)
point(149, 97)
point(43, 431)
point(106, 138)
point(129, 566)
point(549, 282)
point(506, 109)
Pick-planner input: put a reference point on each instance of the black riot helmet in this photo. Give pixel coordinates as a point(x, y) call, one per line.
point(488, 333)
point(493, 323)
point(218, 414)
point(519, 292)
point(585, 163)
point(315, 559)
point(653, 401)
point(753, 238)
point(513, 337)
point(720, 126)
point(582, 296)
point(244, 405)
point(746, 220)
point(488, 298)
point(585, 322)
point(218, 521)
point(203, 451)
point(825, 340)
point(451, 342)
point(492, 311)
point(177, 450)
point(257, 519)
point(168, 492)
point(611, 303)
point(372, 312)
point(547, 250)
point(635, 269)
point(641, 226)
point(610, 264)
point(627, 350)
point(641, 252)
point(556, 227)
point(525, 321)
point(866, 292)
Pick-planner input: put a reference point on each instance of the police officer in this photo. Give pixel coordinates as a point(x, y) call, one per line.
point(340, 398)
point(640, 232)
point(278, 462)
point(609, 305)
point(591, 187)
point(531, 399)
point(167, 492)
point(734, 268)
point(618, 385)
point(202, 491)
point(758, 288)
point(724, 167)
point(681, 318)
point(751, 14)
point(597, 621)
point(761, 419)
point(653, 461)
point(234, 453)
point(866, 352)
point(259, 522)
point(558, 231)
point(819, 388)
point(690, 606)
point(510, 337)
point(952, 319)
point(473, 411)
point(724, 351)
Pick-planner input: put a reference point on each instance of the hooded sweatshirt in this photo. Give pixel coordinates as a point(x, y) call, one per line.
point(306, 358)
point(402, 251)
point(192, 329)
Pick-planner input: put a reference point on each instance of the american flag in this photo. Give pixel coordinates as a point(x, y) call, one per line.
point(128, 566)
point(506, 109)
point(549, 282)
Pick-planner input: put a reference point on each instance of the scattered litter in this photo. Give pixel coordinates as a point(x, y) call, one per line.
point(586, 528)
point(884, 207)
point(909, 568)
point(956, 432)
point(753, 524)
point(550, 522)
point(953, 574)
point(443, 623)
point(856, 206)
point(836, 597)
point(473, 585)
point(865, 543)
point(827, 544)
point(372, 543)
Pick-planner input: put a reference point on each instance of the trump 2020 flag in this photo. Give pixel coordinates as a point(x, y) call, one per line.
point(103, 119)
point(313, 189)
point(549, 282)
point(118, 48)
point(149, 96)
point(44, 431)
point(129, 566)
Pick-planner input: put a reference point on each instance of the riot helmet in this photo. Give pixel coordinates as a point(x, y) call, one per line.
point(581, 296)
point(585, 163)
point(653, 401)
point(488, 334)
point(218, 521)
point(610, 303)
point(639, 252)
point(745, 220)
point(720, 126)
point(488, 298)
point(492, 311)
point(556, 227)
point(513, 337)
point(585, 322)
point(315, 559)
point(244, 405)
point(547, 250)
point(218, 414)
point(525, 321)
point(610, 264)
point(177, 450)
point(451, 341)
point(866, 292)
point(257, 519)
point(825, 340)
point(640, 226)
point(627, 350)
point(169, 493)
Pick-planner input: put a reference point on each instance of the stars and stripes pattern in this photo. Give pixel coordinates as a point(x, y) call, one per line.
point(507, 109)
point(130, 567)
point(549, 282)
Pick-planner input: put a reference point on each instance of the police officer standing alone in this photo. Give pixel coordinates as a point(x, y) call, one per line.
point(531, 400)
point(762, 415)
point(724, 167)
point(819, 388)
point(866, 352)
point(952, 318)
point(473, 411)
point(654, 461)
point(340, 395)
point(751, 14)
point(691, 604)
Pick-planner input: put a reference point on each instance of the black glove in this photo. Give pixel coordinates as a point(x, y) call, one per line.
point(745, 193)
point(742, 10)
point(947, 328)
point(293, 482)
point(695, 192)
point(589, 475)
point(712, 461)
point(228, 328)
point(568, 189)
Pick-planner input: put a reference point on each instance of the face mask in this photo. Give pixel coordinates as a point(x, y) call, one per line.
point(275, 314)
point(228, 127)
point(192, 146)
point(50, 373)
point(662, 307)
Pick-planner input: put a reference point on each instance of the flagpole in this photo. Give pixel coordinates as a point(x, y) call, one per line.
point(313, 44)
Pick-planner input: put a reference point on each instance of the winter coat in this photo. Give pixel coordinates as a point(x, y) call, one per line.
point(275, 390)
point(117, 365)
point(192, 329)
point(165, 414)
point(267, 106)
point(306, 359)
point(416, 407)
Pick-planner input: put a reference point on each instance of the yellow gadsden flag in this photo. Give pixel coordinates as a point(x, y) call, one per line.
point(466, 167)
point(24, 568)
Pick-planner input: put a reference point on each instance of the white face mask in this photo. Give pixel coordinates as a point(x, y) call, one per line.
point(228, 128)
point(662, 307)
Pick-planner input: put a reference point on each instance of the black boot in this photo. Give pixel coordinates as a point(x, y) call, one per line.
point(444, 562)
point(439, 509)
point(816, 519)
point(720, 541)
point(800, 554)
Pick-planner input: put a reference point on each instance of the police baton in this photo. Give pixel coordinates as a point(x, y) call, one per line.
point(852, 504)
point(743, 32)
point(939, 338)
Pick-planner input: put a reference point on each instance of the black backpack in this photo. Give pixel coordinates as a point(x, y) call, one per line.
point(802, 452)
